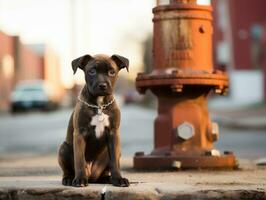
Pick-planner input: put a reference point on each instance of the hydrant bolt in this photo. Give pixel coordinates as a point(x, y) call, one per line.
point(176, 164)
point(215, 131)
point(202, 29)
point(213, 152)
point(177, 88)
point(185, 131)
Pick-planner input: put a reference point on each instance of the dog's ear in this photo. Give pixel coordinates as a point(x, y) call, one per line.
point(80, 62)
point(121, 61)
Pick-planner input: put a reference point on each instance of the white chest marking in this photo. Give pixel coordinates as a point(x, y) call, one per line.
point(100, 122)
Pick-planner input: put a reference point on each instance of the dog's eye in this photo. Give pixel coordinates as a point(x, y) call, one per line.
point(92, 72)
point(111, 72)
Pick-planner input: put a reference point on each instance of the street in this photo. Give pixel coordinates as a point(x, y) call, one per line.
point(41, 133)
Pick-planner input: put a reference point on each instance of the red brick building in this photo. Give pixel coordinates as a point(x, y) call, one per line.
point(240, 35)
point(7, 68)
point(19, 62)
point(31, 64)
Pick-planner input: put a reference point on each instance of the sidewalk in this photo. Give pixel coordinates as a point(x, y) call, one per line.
point(39, 178)
point(253, 117)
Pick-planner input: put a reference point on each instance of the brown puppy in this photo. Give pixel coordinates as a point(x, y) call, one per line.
point(92, 146)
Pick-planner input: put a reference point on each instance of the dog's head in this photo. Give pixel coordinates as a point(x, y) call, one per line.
point(100, 72)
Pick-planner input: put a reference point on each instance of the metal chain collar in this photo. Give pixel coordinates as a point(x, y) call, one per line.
point(96, 106)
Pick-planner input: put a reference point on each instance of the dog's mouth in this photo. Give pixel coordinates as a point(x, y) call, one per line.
point(103, 93)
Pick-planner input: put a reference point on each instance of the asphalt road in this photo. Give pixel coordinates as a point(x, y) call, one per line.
point(41, 133)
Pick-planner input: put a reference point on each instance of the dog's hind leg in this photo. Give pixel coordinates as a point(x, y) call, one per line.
point(66, 162)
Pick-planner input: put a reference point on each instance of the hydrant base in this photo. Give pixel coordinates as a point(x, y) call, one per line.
point(158, 162)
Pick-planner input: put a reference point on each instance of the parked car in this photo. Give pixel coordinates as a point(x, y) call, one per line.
point(33, 95)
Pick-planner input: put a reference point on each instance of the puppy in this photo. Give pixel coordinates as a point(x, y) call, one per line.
point(91, 151)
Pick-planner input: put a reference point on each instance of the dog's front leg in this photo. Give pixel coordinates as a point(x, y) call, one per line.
point(114, 155)
point(81, 178)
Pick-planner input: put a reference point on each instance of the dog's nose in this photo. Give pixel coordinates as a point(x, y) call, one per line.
point(102, 86)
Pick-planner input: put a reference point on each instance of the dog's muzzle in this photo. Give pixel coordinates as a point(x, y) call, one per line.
point(102, 87)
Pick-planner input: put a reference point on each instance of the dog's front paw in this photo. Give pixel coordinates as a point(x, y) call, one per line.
point(120, 182)
point(67, 180)
point(80, 182)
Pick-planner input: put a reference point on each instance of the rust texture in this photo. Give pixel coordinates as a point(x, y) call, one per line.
point(182, 77)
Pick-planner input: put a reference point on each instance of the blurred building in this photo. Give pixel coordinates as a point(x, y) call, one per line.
point(7, 68)
point(240, 48)
point(51, 67)
point(20, 62)
point(29, 64)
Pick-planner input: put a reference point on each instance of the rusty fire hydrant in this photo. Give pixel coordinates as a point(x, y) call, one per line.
point(182, 77)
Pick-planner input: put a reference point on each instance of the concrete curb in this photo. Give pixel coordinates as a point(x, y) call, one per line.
point(241, 118)
point(35, 181)
point(241, 125)
point(248, 123)
point(81, 193)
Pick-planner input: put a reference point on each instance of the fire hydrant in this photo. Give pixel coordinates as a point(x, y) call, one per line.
point(182, 77)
